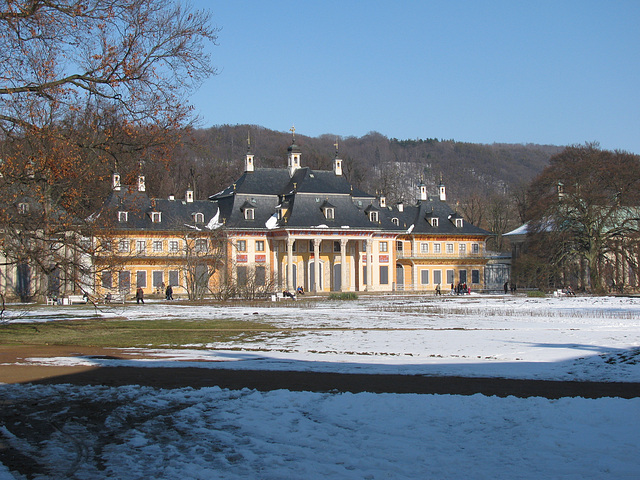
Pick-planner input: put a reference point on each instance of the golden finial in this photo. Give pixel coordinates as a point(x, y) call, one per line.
point(293, 133)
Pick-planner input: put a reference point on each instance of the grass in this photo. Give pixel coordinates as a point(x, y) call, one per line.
point(133, 333)
point(343, 296)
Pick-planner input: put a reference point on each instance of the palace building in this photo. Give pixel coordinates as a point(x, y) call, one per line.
point(285, 228)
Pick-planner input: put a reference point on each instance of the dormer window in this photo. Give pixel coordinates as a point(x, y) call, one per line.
point(458, 223)
point(23, 207)
point(434, 222)
point(198, 217)
point(395, 221)
point(249, 213)
point(373, 216)
point(123, 216)
point(156, 217)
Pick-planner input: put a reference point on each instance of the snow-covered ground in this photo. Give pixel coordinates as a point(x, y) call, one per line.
point(214, 433)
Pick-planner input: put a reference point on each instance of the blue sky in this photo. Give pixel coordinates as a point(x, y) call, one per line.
point(549, 72)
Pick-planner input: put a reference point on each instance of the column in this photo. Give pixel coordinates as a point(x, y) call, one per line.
point(316, 268)
point(343, 265)
point(290, 286)
point(369, 265)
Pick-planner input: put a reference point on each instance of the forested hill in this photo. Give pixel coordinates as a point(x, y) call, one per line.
point(215, 157)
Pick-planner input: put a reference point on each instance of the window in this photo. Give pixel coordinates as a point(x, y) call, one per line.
point(336, 247)
point(259, 245)
point(475, 276)
point(241, 245)
point(23, 207)
point(141, 279)
point(437, 248)
point(201, 245)
point(384, 246)
point(424, 247)
point(157, 245)
point(434, 222)
point(107, 246)
point(449, 247)
point(123, 246)
point(198, 217)
point(424, 277)
point(329, 213)
point(462, 274)
point(399, 246)
point(174, 246)
point(141, 246)
point(450, 276)
point(173, 278)
point(158, 279)
point(462, 248)
point(475, 248)
point(123, 216)
point(156, 217)
point(373, 216)
point(107, 280)
point(437, 276)
point(124, 281)
point(241, 275)
point(249, 214)
point(395, 221)
point(261, 276)
point(458, 223)
point(384, 275)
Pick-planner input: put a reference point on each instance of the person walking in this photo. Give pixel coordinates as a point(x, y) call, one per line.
point(169, 293)
point(438, 292)
point(140, 295)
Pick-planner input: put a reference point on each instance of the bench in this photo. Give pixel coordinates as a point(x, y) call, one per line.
point(115, 298)
point(276, 297)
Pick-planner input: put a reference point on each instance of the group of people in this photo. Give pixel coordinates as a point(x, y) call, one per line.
point(460, 289)
point(168, 294)
point(506, 287)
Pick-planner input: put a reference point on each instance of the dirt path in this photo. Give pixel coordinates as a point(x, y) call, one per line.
point(11, 371)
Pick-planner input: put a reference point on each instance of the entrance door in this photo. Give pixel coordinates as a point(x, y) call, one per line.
point(312, 276)
point(337, 277)
point(399, 277)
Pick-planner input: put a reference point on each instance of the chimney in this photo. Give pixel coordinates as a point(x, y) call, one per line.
point(383, 201)
point(337, 166)
point(189, 195)
point(400, 206)
point(141, 185)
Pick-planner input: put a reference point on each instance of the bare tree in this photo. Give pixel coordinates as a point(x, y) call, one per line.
point(86, 85)
point(585, 207)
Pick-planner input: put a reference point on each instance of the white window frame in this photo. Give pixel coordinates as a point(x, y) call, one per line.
point(462, 248)
point(424, 247)
point(141, 246)
point(373, 216)
point(437, 248)
point(174, 246)
point(434, 222)
point(449, 248)
point(124, 245)
point(329, 213)
point(475, 248)
point(241, 245)
point(198, 217)
point(156, 217)
point(249, 214)
point(158, 246)
point(123, 216)
point(260, 246)
point(384, 246)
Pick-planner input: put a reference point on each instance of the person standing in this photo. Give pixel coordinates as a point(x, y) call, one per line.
point(169, 293)
point(506, 287)
point(140, 295)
